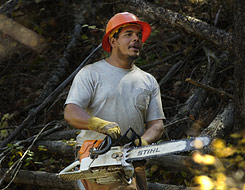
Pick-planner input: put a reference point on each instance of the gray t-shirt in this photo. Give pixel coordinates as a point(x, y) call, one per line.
point(129, 97)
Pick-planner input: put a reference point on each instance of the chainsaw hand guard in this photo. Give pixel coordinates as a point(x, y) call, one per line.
point(107, 143)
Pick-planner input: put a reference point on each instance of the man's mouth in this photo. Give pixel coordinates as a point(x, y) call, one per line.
point(134, 47)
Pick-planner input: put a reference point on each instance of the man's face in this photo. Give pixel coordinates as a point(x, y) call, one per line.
point(129, 43)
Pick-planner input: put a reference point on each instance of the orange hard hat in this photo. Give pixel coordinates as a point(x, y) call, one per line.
point(121, 19)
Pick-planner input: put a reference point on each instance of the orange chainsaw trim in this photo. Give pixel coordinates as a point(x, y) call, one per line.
point(87, 145)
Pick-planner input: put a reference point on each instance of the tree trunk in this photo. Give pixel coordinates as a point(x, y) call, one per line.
point(239, 74)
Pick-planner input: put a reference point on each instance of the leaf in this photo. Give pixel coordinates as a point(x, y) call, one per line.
point(92, 27)
point(84, 37)
point(242, 164)
point(235, 135)
point(42, 148)
point(3, 134)
point(19, 147)
point(30, 153)
point(184, 174)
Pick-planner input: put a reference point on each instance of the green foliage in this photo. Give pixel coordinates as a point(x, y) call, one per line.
point(4, 124)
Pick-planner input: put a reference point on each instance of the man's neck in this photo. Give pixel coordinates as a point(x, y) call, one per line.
point(121, 63)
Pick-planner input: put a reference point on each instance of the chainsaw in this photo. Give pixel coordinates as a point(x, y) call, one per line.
point(105, 161)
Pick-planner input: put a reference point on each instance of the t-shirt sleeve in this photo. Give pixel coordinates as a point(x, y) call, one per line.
point(81, 89)
point(155, 110)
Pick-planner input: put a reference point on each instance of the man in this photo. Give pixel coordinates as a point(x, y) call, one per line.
point(112, 95)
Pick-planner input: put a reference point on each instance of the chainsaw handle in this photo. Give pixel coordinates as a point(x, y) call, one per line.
point(107, 142)
point(122, 140)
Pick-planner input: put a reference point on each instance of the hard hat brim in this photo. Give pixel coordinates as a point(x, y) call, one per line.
point(145, 34)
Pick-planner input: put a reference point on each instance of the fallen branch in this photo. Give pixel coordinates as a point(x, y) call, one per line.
point(209, 88)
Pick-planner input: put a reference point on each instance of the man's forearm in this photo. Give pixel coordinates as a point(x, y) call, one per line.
point(76, 116)
point(154, 131)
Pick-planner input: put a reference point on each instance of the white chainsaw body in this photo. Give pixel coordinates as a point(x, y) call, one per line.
point(115, 164)
point(110, 167)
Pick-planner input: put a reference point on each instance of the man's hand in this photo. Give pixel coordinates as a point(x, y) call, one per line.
point(143, 142)
point(105, 127)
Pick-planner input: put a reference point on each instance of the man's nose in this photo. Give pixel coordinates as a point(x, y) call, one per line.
point(136, 37)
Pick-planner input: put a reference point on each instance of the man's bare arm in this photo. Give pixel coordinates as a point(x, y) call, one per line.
point(76, 116)
point(154, 131)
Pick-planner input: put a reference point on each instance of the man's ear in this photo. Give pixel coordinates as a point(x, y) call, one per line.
point(112, 42)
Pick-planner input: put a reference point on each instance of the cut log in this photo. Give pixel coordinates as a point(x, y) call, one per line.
point(39, 178)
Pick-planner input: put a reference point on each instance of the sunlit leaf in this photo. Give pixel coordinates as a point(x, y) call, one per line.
point(203, 159)
point(204, 182)
point(20, 153)
point(218, 144)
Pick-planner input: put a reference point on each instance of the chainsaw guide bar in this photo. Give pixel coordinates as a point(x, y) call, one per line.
point(165, 148)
